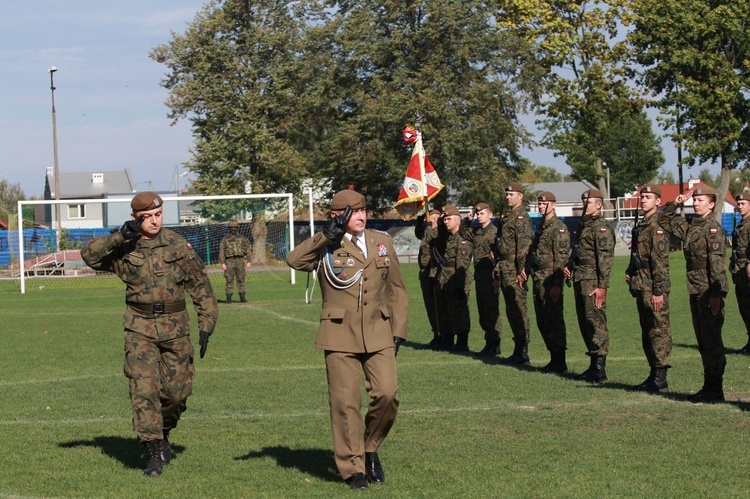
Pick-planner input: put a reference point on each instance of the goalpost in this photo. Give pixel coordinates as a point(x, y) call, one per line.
point(51, 233)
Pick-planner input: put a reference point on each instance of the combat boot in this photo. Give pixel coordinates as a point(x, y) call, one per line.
point(711, 392)
point(597, 372)
point(520, 355)
point(647, 382)
point(242, 298)
point(166, 450)
point(435, 343)
point(229, 297)
point(491, 349)
point(556, 364)
point(657, 383)
point(462, 344)
point(585, 374)
point(153, 458)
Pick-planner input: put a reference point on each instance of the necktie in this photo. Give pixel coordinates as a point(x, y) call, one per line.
point(355, 241)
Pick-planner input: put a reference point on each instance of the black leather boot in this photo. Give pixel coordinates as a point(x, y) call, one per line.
point(373, 468)
point(435, 343)
point(166, 450)
point(229, 297)
point(462, 344)
point(556, 364)
point(491, 349)
point(597, 373)
point(153, 458)
point(585, 374)
point(520, 355)
point(242, 298)
point(711, 392)
point(647, 382)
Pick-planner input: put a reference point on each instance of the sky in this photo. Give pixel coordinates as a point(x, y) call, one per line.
point(109, 104)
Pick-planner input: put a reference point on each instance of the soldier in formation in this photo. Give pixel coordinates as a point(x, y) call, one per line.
point(426, 230)
point(234, 255)
point(740, 264)
point(158, 267)
point(546, 263)
point(704, 243)
point(510, 251)
point(590, 267)
point(648, 278)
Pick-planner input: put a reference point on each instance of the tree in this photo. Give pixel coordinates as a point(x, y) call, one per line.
point(10, 195)
point(665, 177)
point(594, 116)
point(696, 57)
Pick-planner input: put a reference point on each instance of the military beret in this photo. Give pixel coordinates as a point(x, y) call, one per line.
point(347, 197)
point(233, 224)
point(434, 211)
point(145, 201)
point(450, 210)
point(514, 187)
point(654, 189)
point(547, 196)
point(743, 196)
point(705, 191)
point(592, 193)
point(481, 206)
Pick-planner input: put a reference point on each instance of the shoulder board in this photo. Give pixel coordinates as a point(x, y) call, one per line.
point(380, 232)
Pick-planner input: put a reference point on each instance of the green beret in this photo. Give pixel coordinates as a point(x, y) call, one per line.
point(654, 189)
point(705, 190)
point(145, 201)
point(547, 196)
point(592, 193)
point(514, 187)
point(347, 197)
point(450, 210)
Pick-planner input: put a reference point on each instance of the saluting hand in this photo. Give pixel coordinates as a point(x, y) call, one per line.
point(337, 225)
point(132, 228)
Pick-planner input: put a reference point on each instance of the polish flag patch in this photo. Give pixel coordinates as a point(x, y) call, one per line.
point(561, 231)
point(602, 229)
point(659, 232)
point(713, 231)
point(520, 217)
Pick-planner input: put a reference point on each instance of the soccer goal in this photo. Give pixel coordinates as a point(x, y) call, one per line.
point(47, 250)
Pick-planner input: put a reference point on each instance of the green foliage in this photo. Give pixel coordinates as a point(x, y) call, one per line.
point(10, 195)
point(257, 424)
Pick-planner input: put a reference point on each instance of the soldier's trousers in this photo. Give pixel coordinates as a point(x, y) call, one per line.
point(488, 306)
point(708, 335)
point(550, 317)
point(351, 439)
point(430, 298)
point(235, 271)
point(742, 292)
point(515, 308)
point(457, 307)
point(592, 321)
point(161, 379)
point(656, 333)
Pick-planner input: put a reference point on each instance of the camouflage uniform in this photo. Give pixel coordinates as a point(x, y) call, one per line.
point(652, 279)
point(548, 254)
point(158, 354)
point(427, 281)
point(234, 252)
point(455, 285)
point(596, 248)
point(703, 242)
point(481, 240)
point(738, 269)
point(511, 249)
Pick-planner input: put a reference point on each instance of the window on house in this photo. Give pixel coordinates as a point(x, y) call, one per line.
point(76, 211)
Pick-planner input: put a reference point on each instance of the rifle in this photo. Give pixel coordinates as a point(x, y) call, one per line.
point(636, 263)
point(575, 251)
point(733, 260)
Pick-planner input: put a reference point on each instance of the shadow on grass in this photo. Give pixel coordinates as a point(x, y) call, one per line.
point(126, 450)
point(316, 462)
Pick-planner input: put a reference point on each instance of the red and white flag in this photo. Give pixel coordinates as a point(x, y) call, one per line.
point(421, 183)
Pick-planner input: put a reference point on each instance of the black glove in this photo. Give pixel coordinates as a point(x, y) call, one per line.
point(337, 226)
point(397, 343)
point(420, 220)
point(132, 228)
point(203, 342)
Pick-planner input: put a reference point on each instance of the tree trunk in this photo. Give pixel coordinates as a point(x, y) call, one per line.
point(722, 189)
point(259, 231)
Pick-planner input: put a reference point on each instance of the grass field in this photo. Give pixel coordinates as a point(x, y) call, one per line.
point(258, 425)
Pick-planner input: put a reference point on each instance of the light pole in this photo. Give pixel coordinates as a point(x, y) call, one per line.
point(55, 171)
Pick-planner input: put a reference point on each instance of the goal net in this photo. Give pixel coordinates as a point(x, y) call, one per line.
point(44, 251)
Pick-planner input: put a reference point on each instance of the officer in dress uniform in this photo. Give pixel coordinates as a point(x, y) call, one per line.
point(704, 245)
point(158, 267)
point(648, 278)
point(594, 255)
point(234, 255)
point(363, 322)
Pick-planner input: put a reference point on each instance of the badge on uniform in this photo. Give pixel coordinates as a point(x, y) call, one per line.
point(715, 246)
point(520, 217)
point(659, 232)
point(382, 250)
point(190, 246)
point(350, 262)
point(712, 231)
point(602, 229)
point(561, 231)
point(387, 261)
point(464, 243)
point(337, 263)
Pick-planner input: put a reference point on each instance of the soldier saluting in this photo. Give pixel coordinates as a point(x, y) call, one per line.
point(648, 278)
point(703, 242)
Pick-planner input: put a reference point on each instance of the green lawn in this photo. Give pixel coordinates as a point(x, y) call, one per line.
point(258, 426)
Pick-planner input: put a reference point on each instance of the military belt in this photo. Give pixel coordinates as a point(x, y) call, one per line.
point(506, 257)
point(645, 266)
point(696, 265)
point(158, 308)
point(235, 256)
point(585, 261)
point(545, 265)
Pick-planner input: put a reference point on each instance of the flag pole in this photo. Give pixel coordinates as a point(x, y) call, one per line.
point(418, 127)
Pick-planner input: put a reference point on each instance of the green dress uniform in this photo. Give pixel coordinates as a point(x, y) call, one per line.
point(481, 240)
point(704, 245)
point(158, 354)
point(234, 252)
point(455, 285)
point(738, 269)
point(596, 249)
point(652, 279)
point(510, 250)
point(365, 305)
point(548, 255)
